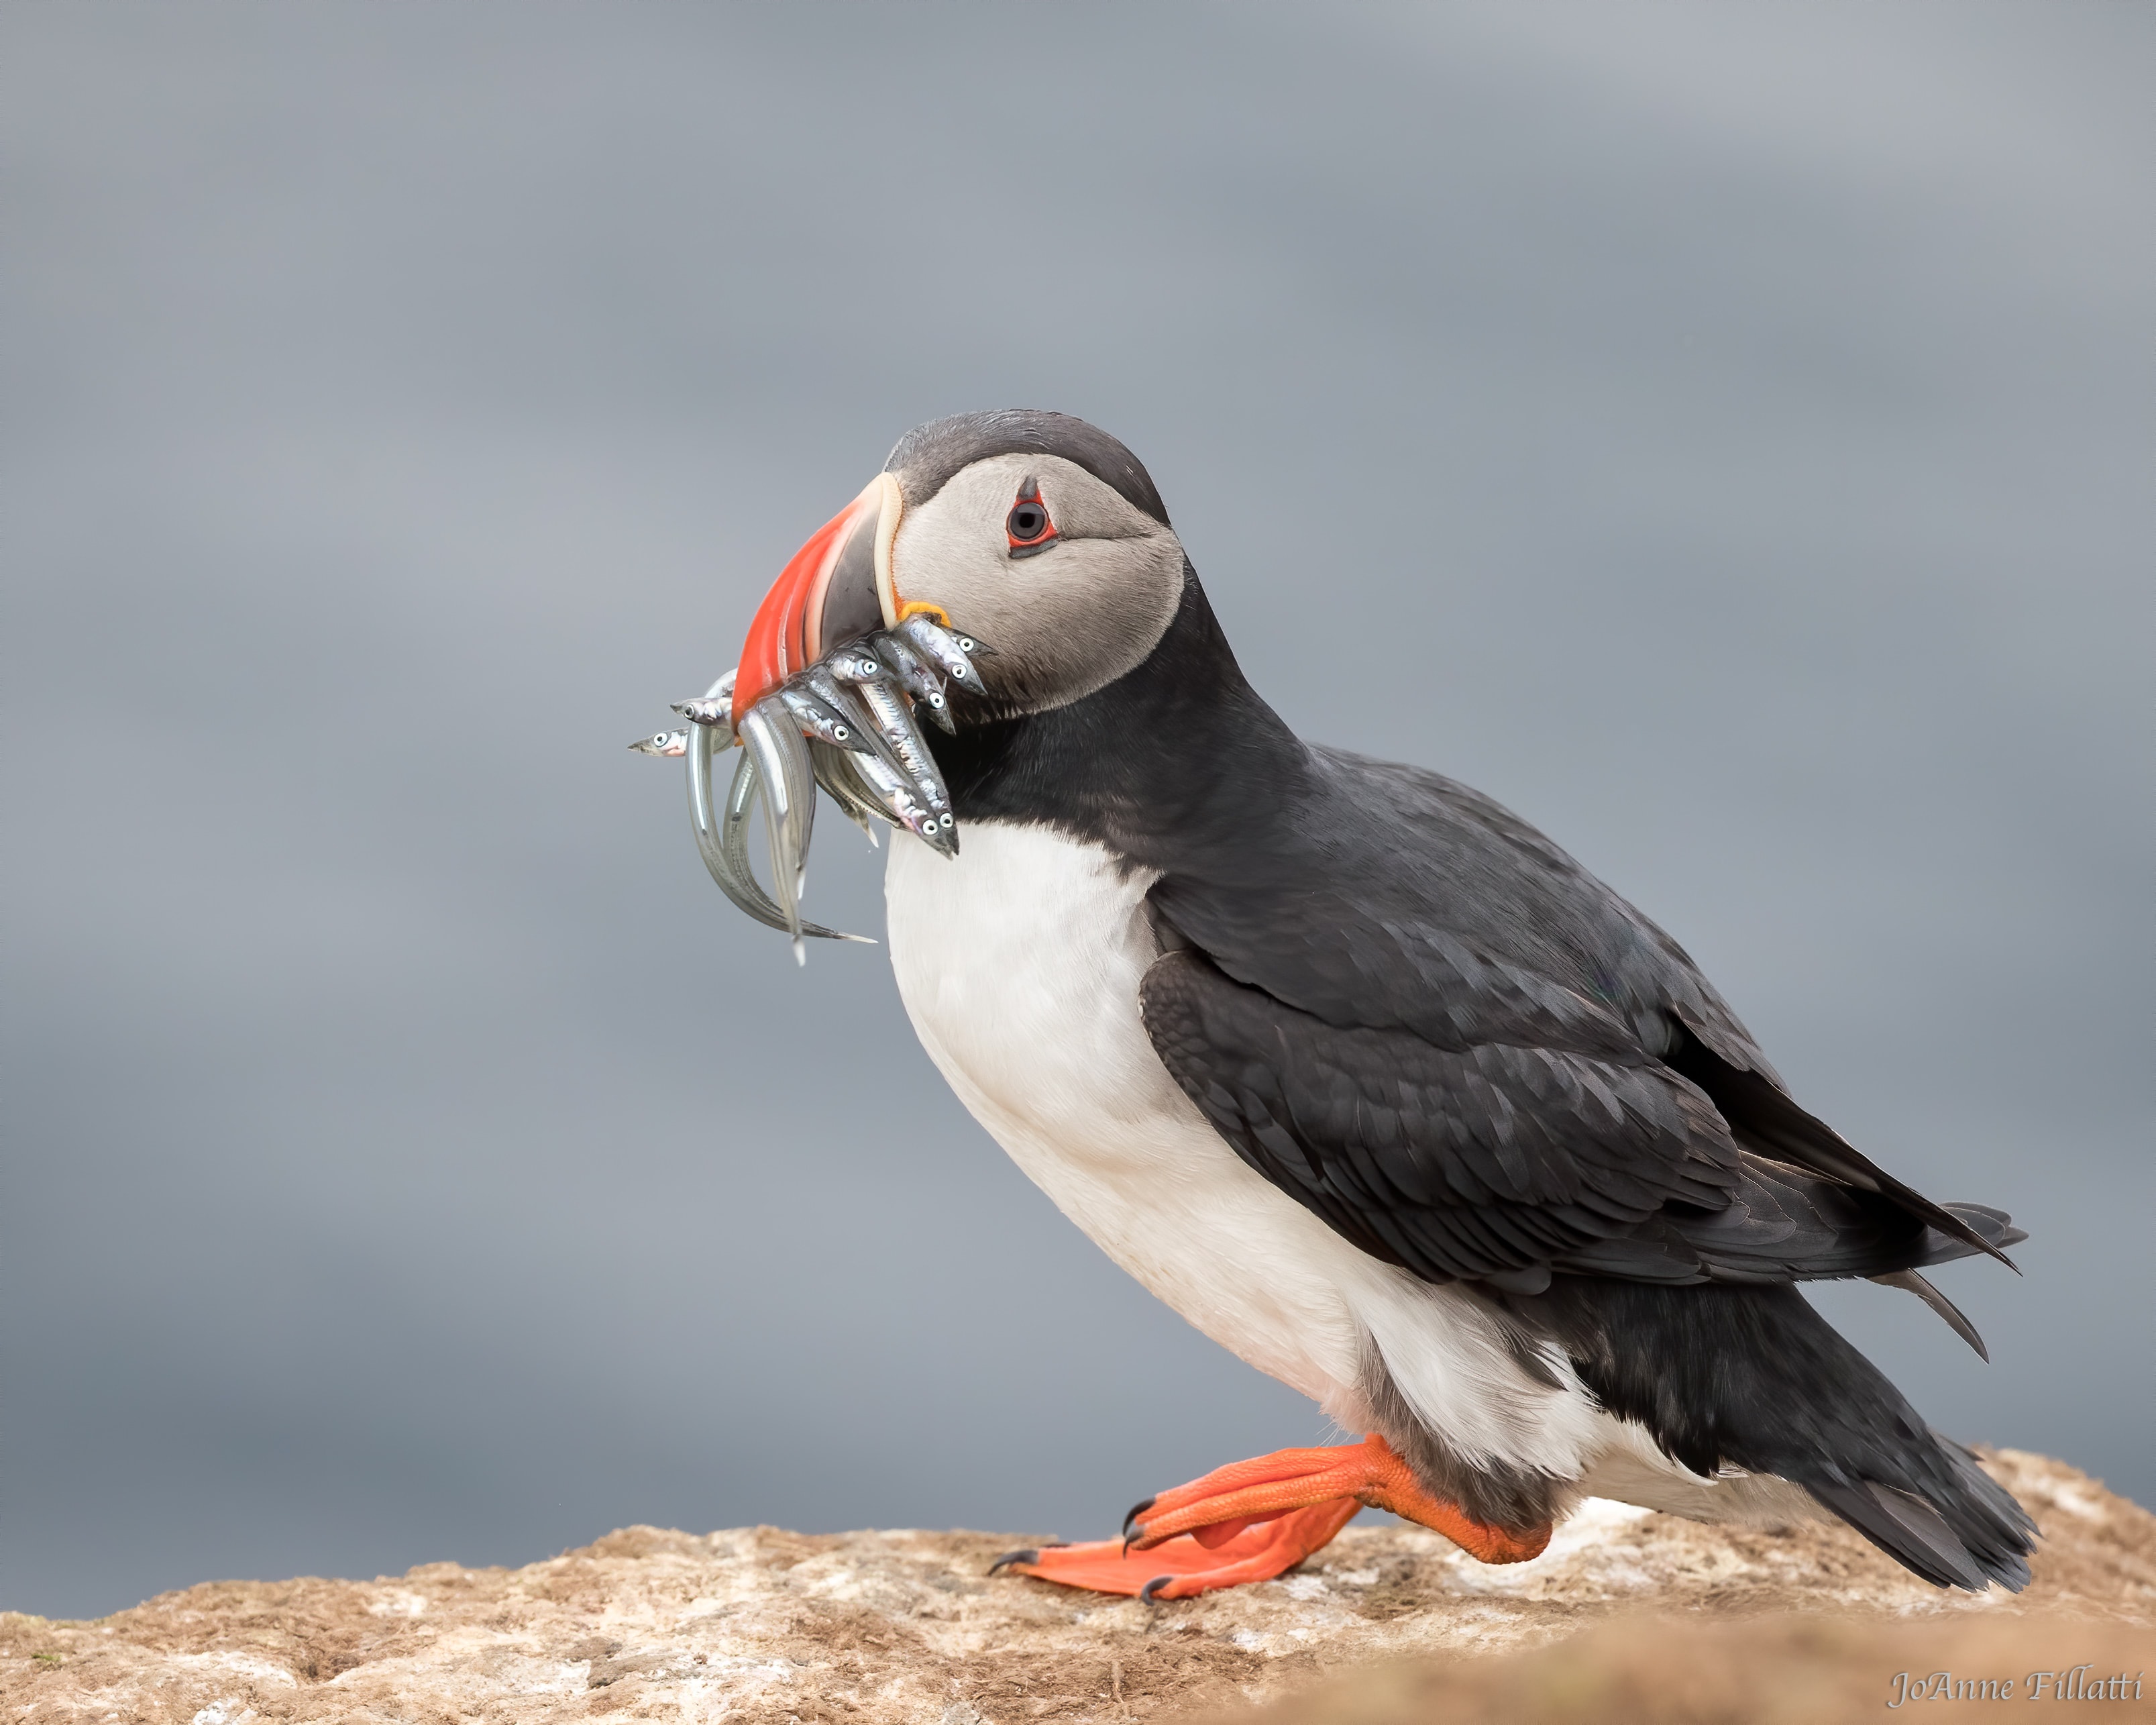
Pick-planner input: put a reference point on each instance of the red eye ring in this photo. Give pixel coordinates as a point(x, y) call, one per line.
point(1027, 526)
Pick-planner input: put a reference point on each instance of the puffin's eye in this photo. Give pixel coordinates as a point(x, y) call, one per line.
point(1029, 526)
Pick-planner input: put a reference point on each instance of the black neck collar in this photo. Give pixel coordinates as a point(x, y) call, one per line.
point(1177, 759)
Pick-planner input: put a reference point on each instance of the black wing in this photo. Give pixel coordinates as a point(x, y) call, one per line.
point(1502, 1163)
point(1430, 1026)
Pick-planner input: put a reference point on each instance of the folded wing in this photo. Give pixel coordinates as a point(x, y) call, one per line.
point(1500, 1162)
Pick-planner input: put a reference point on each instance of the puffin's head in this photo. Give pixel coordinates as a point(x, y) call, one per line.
point(1038, 533)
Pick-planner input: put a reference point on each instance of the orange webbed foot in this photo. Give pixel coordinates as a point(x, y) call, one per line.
point(1253, 1520)
point(1370, 1472)
point(1181, 1567)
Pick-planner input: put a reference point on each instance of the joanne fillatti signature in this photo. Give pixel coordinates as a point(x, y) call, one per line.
point(2079, 1682)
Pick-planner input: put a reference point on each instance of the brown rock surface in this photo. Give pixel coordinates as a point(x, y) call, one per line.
point(1781, 1670)
point(756, 1623)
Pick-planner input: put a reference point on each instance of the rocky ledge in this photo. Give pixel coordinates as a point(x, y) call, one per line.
point(759, 1624)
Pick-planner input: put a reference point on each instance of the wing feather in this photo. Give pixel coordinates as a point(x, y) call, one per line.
point(1422, 1020)
point(1499, 1163)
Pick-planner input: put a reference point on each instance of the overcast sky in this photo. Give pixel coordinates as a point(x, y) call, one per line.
point(1724, 433)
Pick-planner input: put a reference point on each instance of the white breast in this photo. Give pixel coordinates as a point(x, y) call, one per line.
point(1019, 964)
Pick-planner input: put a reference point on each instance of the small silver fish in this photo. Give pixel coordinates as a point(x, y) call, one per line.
point(900, 803)
point(845, 700)
point(724, 841)
point(889, 709)
point(915, 677)
point(846, 724)
point(939, 645)
point(906, 664)
point(827, 689)
point(844, 787)
point(820, 721)
point(857, 663)
point(788, 788)
point(939, 710)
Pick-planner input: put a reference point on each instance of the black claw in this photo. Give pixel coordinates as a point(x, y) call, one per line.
point(1029, 1556)
point(1147, 1592)
point(1136, 1510)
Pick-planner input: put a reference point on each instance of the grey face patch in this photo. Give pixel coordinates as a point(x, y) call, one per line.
point(1081, 611)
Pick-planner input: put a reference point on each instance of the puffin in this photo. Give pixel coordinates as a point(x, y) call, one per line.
point(1359, 1072)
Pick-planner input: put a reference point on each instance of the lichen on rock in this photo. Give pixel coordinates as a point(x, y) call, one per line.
point(760, 1625)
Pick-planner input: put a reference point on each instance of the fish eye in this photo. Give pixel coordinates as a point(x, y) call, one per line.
point(965, 643)
point(841, 733)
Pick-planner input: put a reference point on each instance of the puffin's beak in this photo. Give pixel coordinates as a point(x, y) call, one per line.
point(836, 588)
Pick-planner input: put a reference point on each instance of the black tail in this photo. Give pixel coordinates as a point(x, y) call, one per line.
point(1751, 1377)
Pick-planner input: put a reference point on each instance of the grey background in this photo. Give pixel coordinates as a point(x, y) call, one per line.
point(1724, 433)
